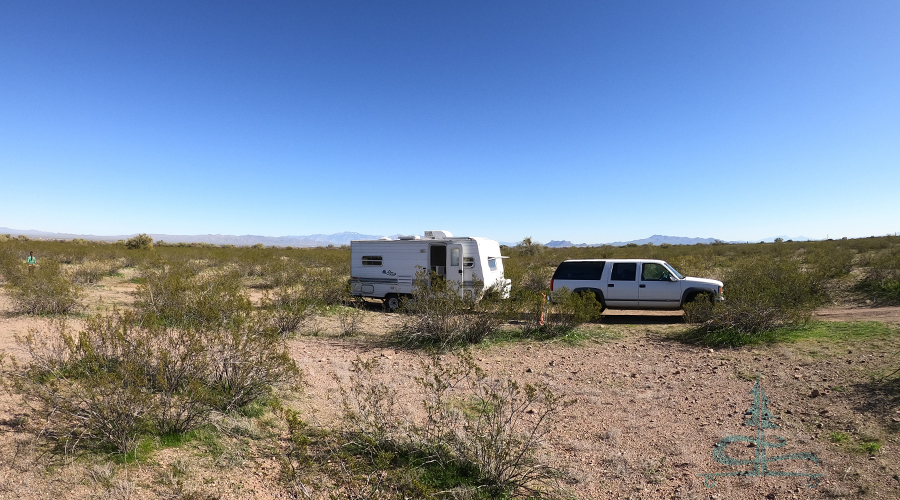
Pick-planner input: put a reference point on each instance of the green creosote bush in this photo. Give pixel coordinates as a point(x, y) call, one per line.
point(139, 242)
point(443, 314)
point(328, 286)
point(762, 295)
point(116, 380)
point(172, 294)
point(287, 308)
point(488, 430)
point(832, 261)
point(46, 290)
point(881, 280)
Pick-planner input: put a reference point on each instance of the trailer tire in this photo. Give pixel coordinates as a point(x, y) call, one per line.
point(392, 302)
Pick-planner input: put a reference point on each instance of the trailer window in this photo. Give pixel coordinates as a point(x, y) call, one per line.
point(371, 260)
point(468, 261)
point(492, 263)
point(454, 256)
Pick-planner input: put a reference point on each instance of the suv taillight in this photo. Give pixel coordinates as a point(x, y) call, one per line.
point(551, 285)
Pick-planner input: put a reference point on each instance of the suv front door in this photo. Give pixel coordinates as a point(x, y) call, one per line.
point(657, 290)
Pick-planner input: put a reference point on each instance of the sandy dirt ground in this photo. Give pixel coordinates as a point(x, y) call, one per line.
point(649, 411)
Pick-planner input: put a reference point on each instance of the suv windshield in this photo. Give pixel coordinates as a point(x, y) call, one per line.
point(676, 273)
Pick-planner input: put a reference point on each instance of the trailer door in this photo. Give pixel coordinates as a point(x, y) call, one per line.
point(455, 263)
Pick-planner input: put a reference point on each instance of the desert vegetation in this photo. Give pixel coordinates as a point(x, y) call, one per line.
point(207, 351)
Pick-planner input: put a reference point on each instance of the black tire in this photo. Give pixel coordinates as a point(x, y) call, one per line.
point(392, 302)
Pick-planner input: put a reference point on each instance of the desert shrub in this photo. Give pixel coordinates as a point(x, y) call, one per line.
point(762, 295)
point(116, 380)
point(529, 247)
point(245, 362)
point(831, 261)
point(369, 406)
point(11, 266)
point(881, 280)
point(46, 290)
point(171, 294)
point(287, 308)
point(283, 272)
point(534, 279)
point(496, 425)
point(485, 431)
point(566, 311)
point(350, 316)
point(326, 285)
point(441, 313)
point(139, 242)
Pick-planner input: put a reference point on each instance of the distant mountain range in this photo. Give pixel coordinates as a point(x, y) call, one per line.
point(656, 239)
point(659, 239)
point(312, 240)
point(337, 239)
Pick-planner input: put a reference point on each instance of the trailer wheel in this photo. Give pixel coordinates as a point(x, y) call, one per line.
point(392, 302)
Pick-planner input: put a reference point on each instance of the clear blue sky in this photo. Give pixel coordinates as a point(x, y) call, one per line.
point(589, 121)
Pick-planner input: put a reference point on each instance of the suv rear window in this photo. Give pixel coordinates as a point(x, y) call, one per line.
point(623, 271)
point(579, 270)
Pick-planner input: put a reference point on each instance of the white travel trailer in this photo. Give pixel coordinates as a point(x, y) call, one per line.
point(385, 268)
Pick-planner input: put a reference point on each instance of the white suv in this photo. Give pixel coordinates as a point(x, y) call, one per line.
point(634, 283)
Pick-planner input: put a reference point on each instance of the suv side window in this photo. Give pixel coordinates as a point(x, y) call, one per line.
point(651, 271)
point(579, 270)
point(624, 271)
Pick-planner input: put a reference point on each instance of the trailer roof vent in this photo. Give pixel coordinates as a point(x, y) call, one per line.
point(437, 235)
point(409, 237)
point(384, 238)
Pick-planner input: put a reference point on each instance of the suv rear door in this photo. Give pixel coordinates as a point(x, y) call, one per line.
point(622, 288)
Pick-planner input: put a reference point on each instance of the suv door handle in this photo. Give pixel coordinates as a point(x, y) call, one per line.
point(643, 286)
point(610, 285)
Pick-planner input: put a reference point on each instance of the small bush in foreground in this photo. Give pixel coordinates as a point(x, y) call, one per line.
point(484, 432)
point(116, 380)
point(287, 309)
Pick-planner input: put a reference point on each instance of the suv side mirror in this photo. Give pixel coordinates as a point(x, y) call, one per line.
point(673, 279)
